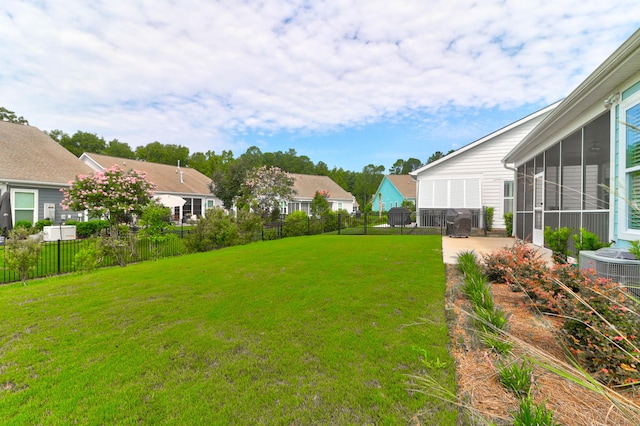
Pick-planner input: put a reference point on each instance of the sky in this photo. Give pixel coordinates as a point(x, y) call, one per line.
point(349, 83)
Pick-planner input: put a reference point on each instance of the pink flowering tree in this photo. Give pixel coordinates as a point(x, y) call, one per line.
point(114, 194)
point(266, 187)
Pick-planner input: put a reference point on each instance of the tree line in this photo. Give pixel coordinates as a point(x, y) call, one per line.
point(227, 171)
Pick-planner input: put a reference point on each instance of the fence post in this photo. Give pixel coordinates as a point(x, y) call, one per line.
point(59, 269)
point(484, 220)
point(365, 215)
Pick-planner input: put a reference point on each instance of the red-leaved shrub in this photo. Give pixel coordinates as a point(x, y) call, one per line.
point(600, 323)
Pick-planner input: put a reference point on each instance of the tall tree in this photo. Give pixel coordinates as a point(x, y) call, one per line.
point(88, 142)
point(115, 148)
point(438, 155)
point(367, 183)
point(208, 162)
point(252, 158)
point(226, 184)
point(156, 152)
point(396, 169)
point(410, 165)
point(10, 116)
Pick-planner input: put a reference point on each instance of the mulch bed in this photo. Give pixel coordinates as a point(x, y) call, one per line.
point(478, 385)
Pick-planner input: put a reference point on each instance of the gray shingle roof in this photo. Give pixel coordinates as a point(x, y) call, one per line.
point(29, 155)
point(165, 177)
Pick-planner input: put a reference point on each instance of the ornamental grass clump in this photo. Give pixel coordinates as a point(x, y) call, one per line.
point(531, 414)
point(467, 262)
point(517, 378)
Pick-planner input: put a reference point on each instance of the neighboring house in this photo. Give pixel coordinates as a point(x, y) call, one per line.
point(392, 191)
point(580, 168)
point(473, 177)
point(33, 170)
point(306, 186)
point(185, 190)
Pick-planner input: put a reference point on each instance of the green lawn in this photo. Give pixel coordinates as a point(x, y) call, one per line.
point(309, 330)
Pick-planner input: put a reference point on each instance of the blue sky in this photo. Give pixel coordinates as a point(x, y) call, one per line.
point(350, 83)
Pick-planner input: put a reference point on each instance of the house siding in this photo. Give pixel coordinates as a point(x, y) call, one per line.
point(390, 197)
point(45, 196)
point(482, 164)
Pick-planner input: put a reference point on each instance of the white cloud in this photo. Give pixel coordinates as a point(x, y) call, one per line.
point(196, 72)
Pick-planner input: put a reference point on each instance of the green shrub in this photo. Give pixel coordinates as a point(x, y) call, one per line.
point(21, 252)
point(88, 229)
point(635, 248)
point(42, 223)
point(558, 241)
point(330, 220)
point(269, 234)
point(295, 224)
point(510, 265)
point(249, 226)
point(26, 224)
point(508, 222)
point(531, 414)
point(488, 214)
point(217, 230)
point(586, 240)
point(121, 247)
point(516, 378)
point(602, 332)
point(87, 258)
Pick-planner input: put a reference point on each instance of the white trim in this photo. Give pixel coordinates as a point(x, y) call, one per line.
point(35, 203)
point(623, 204)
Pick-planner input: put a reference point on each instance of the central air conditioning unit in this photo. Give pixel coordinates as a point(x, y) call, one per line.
point(619, 265)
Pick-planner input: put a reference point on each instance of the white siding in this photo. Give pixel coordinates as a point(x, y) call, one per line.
point(475, 176)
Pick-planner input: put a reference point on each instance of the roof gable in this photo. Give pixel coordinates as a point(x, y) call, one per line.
point(29, 155)
point(404, 184)
point(167, 178)
point(307, 185)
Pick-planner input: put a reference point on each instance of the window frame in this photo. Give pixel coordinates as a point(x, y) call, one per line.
point(626, 232)
point(509, 198)
point(14, 208)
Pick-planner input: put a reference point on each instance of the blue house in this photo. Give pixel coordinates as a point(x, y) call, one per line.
point(392, 191)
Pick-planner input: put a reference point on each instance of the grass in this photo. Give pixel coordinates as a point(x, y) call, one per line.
point(322, 330)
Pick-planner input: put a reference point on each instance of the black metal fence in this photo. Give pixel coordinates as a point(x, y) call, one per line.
point(61, 257)
point(436, 218)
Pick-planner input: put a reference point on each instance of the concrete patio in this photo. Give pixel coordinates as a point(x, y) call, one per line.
point(481, 245)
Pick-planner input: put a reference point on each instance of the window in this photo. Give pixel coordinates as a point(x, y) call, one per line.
point(507, 197)
point(25, 204)
point(631, 135)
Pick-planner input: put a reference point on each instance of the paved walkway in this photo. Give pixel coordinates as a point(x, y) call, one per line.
point(481, 245)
